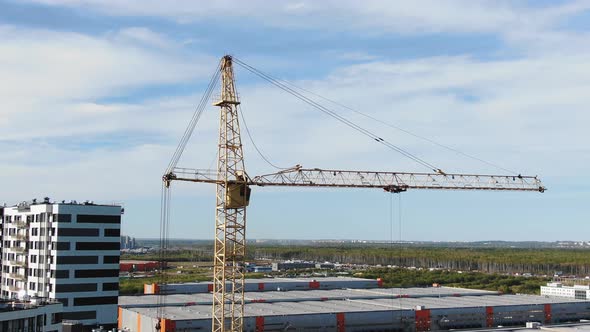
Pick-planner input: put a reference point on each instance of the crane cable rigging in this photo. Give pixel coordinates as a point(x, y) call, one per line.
point(163, 252)
point(390, 125)
point(335, 115)
point(165, 199)
point(194, 120)
point(256, 146)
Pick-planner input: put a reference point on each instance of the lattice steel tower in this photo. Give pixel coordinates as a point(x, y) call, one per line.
point(230, 216)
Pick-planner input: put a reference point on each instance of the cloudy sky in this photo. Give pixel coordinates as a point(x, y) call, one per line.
point(96, 94)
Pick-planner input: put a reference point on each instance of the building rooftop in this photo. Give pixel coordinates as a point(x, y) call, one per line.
point(303, 295)
point(558, 328)
point(281, 280)
point(16, 305)
point(47, 200)
point(303, 306)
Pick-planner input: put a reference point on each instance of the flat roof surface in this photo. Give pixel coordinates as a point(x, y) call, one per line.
point(312, 295)
point(331, 301)
point(556, 328)
point(279, 280)
point(335, 306)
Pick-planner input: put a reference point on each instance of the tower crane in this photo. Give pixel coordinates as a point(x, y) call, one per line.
point(233, 188)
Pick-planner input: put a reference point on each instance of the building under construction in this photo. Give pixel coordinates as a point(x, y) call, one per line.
point(346, 304)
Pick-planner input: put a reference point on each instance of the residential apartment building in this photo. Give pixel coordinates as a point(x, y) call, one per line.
point(63, 251)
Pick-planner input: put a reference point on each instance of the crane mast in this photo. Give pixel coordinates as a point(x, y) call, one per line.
point(233, 194)
point(230, 214)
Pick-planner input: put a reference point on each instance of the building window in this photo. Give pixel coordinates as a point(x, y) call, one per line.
point(80, 301)
point(79, 315)
point(99, 219)
point(77, 259)
point(60, 274)
point(62, 246)
point(97, 245)
point(77, 232)
point(110, 286)
point(96, 273)
point(69, 288)
point(56, 318)
point(112, 232)
point(111, 259)
point(62, 217)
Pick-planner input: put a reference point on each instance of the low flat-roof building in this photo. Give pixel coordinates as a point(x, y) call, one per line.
point(557, 289)
point(269, 284)
point(351, 309)
point(31, 316)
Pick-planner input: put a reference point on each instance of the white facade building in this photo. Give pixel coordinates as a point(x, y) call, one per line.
point(64, 251)
point(30, 316)
point(557, 289)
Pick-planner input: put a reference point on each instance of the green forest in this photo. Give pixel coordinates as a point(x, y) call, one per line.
point(478, 268)
point(541, 261)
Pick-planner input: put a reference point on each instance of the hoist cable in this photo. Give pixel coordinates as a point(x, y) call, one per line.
point(194, 120)
point(254, 144)
point(333, 114)
point(388, 124)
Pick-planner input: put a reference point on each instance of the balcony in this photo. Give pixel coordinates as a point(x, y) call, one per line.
point(18, 263)
point(18, 249)
point(21, 224)
point(17, 276)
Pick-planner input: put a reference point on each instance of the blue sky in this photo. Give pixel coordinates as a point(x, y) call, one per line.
point(96, 94)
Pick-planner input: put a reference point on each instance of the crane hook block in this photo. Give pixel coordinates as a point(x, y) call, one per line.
point(237, 195)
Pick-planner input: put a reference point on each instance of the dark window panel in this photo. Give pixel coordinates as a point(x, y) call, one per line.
point(96, 273)
point(60, 274)
point(80, 301)
point(77, 232)
point(69, 288)
point(62, 217)
point(112, 232)
point(97, 245)
point(110, 286)
point(99, 219)
point(111, 259)
point(63, 246)
point(77, 259)
point(63, 301)
point(79, 315)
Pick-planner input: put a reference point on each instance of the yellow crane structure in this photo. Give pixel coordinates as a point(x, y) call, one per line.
point(234, 186)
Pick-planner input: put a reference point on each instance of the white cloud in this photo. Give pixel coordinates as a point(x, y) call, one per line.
point(143, 35)
point(527, 113)
point(372, 15)
point(53, 79)
point(514, 114)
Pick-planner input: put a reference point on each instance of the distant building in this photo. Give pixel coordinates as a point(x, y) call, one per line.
point(262, 269)
point(296, 265)
point(63, 251)
point(138, 266)
point(557, 289)
point(325, 265)
point(128, 242)
point(30, 316)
